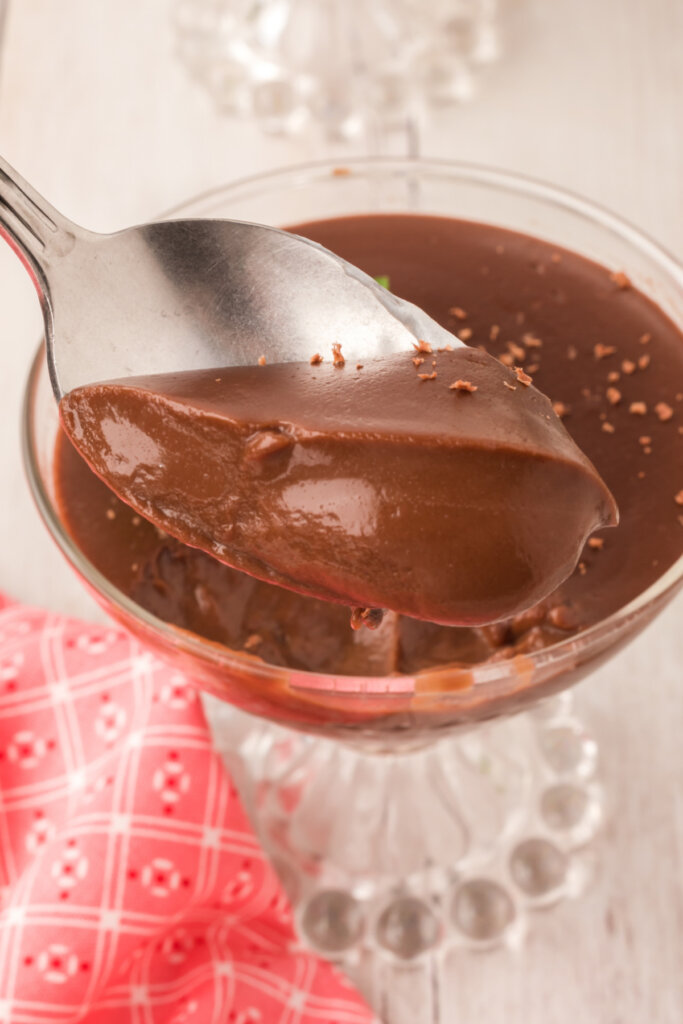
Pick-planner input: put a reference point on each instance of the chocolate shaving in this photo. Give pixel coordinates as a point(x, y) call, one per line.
point(458, 313)
point(645, 339)
point(621, 280)
point(427, 376)
point(337, 357)
point(628, 366)
point(517, 351)
point(252, 641)
point(597, 543)
point(506, 358)
point(531, 341)
point(613, 376)
point(523, 377)
point(422, 346)
point(613, 396)
point(637, 408)
point(417, 361)
point(465, 334)
point(644, 440)
point(678, 498)
point(608, 428)
point(560, 409)
point(601, 351)
point(262, 360)
point(509, 386)
point(644, 361)
point(462, 385)
point(664, 411)
point(316, 360)
point(494, 332)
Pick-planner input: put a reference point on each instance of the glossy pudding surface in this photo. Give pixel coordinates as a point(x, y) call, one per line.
point(609, 360)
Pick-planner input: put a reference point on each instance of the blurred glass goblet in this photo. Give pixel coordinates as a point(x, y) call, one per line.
point(343, 65)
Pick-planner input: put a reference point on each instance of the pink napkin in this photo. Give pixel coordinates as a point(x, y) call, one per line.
point(132, 887)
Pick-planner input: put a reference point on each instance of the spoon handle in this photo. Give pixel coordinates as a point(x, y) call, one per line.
point(33, 228)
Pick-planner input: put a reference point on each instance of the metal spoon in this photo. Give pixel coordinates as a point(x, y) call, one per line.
point(194, 294)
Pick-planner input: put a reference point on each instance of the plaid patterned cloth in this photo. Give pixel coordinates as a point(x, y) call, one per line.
point(132, 888)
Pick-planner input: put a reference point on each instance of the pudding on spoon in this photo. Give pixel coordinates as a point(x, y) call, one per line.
point(432, 483)
point(359, 493)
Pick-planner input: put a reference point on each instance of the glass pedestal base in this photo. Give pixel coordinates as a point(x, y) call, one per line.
point(405, 855)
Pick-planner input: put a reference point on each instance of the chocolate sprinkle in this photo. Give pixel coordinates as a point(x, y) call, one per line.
point(664, 411)
point(422, 346)
point(603, 351)
point(621, 280)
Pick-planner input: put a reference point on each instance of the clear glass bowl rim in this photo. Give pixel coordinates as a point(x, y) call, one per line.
point(596, 636)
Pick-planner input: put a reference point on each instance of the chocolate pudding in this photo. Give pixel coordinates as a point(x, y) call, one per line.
point(611, 362)
point(439, 494)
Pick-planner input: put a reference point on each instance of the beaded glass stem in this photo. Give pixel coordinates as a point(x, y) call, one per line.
point(402, 853)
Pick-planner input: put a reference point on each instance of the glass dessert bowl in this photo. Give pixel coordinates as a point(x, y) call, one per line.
point(403, 712)
point(435, 698)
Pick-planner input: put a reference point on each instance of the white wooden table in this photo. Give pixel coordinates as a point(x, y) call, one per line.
point(96, 113)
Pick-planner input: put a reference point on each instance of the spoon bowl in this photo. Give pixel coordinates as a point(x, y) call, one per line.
point(173, 296)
